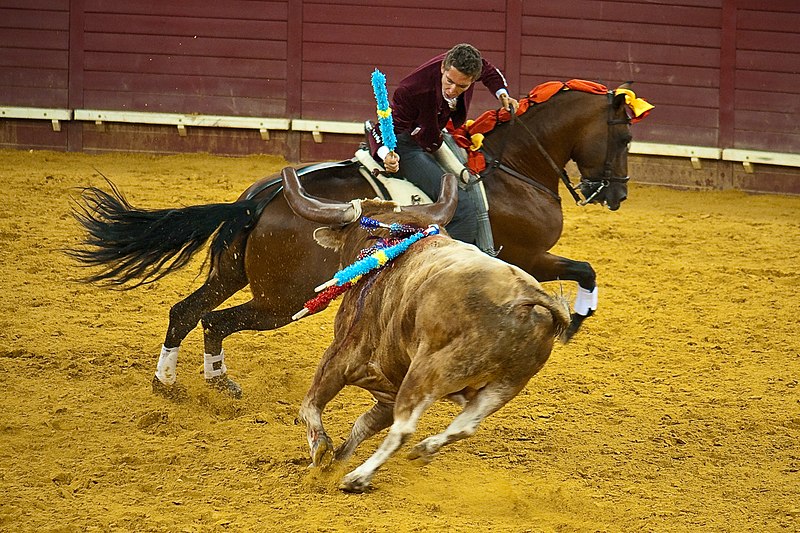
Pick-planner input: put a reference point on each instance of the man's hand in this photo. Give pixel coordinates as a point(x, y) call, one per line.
point(509, 103)
point(392, 162)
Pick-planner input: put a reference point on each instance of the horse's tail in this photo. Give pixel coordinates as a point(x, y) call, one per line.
point(145, 245)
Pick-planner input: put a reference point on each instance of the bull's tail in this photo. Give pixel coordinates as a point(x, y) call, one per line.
point(558, 306)
point(142, 245)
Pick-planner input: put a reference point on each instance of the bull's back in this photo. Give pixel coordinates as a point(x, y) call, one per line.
point(457, 296)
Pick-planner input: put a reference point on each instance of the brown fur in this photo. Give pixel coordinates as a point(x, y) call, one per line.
point(442, 320)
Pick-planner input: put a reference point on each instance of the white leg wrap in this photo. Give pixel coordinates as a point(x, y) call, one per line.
point(214, 365)
point(585, 301)
point(167, 368)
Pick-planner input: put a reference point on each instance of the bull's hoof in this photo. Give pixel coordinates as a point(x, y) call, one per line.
point(322, 452)
point(226, 385)
point(355, 484)
point(175, 392)
point(421, 454)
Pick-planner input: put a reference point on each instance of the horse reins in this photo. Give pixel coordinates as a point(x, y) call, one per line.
point(604, 181)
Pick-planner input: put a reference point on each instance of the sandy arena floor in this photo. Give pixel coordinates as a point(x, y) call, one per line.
point(677, 408)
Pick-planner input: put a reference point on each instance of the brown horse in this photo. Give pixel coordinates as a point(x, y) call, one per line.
point(260, 242)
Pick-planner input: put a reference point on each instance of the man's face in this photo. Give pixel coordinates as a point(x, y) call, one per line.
point(454, 82)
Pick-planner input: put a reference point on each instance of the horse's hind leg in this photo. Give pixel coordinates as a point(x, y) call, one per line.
point(183, 318)
point(217, 325)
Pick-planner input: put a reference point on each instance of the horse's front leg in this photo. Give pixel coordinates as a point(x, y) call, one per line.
point(549, 267)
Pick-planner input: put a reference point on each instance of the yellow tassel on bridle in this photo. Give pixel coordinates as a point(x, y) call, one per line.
point(639, 106)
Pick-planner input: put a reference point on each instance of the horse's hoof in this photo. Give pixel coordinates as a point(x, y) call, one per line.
point(175, 392)
point(225, 384)
point(574, 326)
point(354, 484)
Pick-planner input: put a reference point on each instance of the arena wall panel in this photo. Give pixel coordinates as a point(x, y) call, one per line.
point(722, 73)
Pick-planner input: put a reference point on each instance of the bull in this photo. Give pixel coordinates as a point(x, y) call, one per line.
point(443, 321)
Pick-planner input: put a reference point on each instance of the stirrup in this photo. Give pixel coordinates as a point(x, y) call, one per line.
point(491, 251)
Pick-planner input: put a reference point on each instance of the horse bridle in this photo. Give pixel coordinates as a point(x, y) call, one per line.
point(594, 184)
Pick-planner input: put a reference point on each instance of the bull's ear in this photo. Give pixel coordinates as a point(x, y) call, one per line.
point(329, 237)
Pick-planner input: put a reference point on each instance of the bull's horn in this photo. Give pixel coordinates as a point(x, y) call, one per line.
point(325, 212)
point(441, 211)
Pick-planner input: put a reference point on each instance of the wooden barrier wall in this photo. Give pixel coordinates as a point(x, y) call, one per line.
point(722, 73)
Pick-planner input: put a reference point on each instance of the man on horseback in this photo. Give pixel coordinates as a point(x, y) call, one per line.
point(437, 91)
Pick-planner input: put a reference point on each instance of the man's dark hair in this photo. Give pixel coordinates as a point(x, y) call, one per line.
point(466, 59)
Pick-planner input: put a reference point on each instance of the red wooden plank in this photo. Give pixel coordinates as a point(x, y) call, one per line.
point(624, 12)
point(27, 77)
point(189, 85)
point(787, 6)
point(257, 69)
point(513, 48)
point(232, 9)
point(38, 5)
point(543, 69)
point(766, 121)
point(767, 178)
point(767, 81)
point(294, 64)
point(34, 20)
point(626, 33)
point(31, 135)
point(767, 141)
point(658, 132)
point(38, 39)
point(382, 56)
point(768, 101)
point(33, 97)
point(27, 58)
point(186, 26)
point(372, 18)
point(77, 20)
point(443, 39)
point(186, 46)
point(591, 49)
point(212, 105)
point(470, 5)
point(727, 74)
point(346, 93)
point(768, 61)
point(769, 21)
point(342, 72)
point(767, 41)
point(165, 140)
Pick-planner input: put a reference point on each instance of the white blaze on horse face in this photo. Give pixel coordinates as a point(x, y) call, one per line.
point(166, 370)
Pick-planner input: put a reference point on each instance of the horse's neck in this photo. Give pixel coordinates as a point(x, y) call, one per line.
point(553, 125)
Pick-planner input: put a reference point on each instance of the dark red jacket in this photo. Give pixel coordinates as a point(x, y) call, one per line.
point(418, 103)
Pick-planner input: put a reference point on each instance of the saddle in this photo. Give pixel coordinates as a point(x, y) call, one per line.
point(451, 157)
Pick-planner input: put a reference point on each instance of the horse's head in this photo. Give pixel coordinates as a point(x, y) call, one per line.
point(601, 153)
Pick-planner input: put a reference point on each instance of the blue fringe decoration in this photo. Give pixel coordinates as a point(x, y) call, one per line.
point(380, 257)
point(384, 111)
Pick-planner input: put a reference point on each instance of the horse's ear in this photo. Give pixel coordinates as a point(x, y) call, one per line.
point(619, 99)
point(329, 237)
